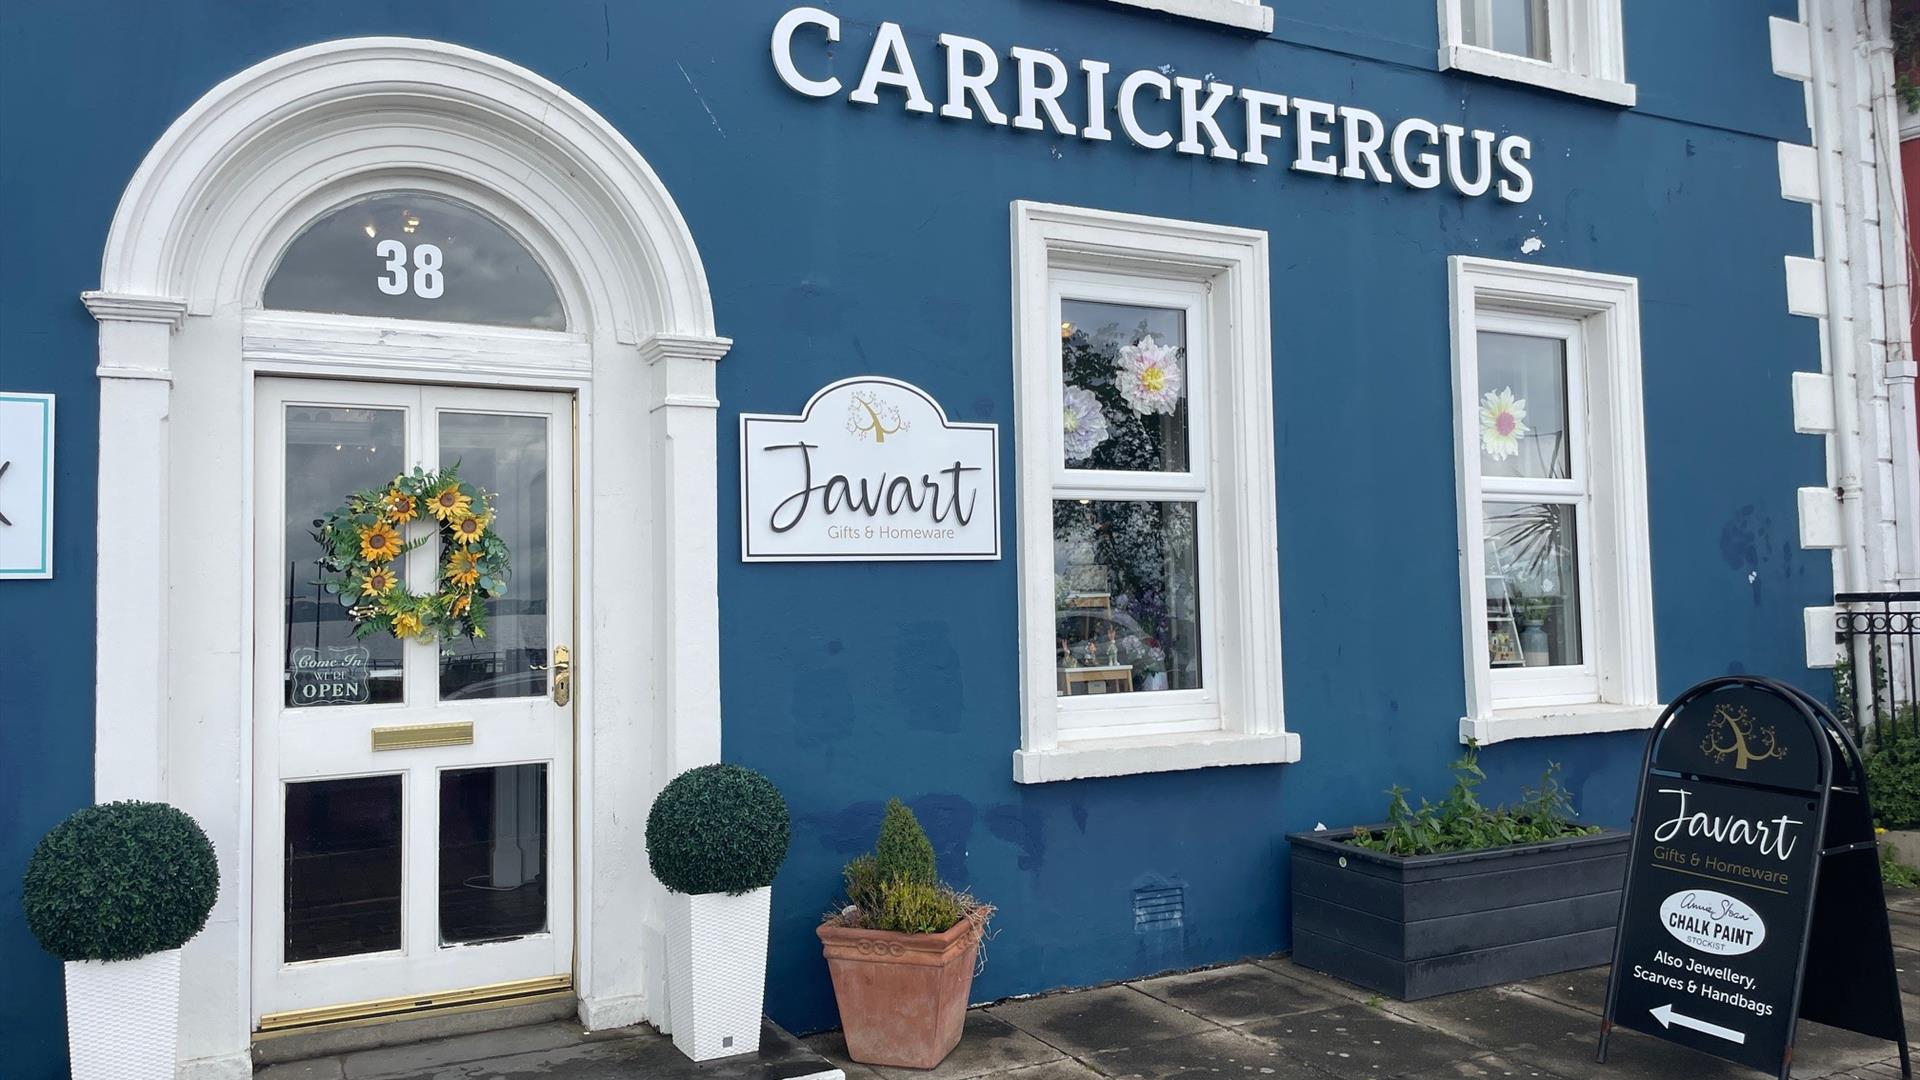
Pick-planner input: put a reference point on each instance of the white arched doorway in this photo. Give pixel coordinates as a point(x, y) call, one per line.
point(187, 347)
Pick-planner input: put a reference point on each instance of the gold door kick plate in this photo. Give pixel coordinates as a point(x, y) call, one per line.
point(416, 736)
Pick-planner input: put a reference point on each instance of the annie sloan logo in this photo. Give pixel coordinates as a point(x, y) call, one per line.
point(1712, 922)
point(870, 469)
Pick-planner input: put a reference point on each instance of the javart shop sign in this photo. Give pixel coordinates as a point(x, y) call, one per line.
point(1753, 894)
point(871, 469)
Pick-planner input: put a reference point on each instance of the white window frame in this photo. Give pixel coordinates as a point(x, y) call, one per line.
point(1218, 276)
point(1614, 688)
point(1586, 43)
point(1239, 14)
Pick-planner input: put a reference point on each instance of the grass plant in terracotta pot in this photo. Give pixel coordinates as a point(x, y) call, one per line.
point(715, 838)
point(903, 950)
point(115, 891)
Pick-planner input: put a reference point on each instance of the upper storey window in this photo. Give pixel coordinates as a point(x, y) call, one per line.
point(1572, 46)
point(412, 255)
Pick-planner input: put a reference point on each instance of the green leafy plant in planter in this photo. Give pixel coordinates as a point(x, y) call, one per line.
point(902, 951)
point(120, 881)
point(1461, 823)
point(718, 829)
point(716, 837)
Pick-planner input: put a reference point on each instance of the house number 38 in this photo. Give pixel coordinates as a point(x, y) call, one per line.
point(426, 281)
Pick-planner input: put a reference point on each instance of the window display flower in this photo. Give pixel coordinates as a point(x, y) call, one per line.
point(1085, 423)
point(1149, 377)
point(1502, 423)
point(402, 507)
point(378, 582)
point(378, 542)
point(470, 528)
point(450, 503)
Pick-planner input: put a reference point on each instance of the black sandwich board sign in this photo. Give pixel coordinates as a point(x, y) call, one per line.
point(1753, 896)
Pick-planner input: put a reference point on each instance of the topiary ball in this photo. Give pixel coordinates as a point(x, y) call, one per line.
point(718, 829)
point(120, 881)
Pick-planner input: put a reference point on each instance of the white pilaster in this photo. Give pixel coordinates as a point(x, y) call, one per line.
point(130, 635)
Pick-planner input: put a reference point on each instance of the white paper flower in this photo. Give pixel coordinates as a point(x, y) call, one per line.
point(1085, 423)
point(1149, 376)
point(1503, 422)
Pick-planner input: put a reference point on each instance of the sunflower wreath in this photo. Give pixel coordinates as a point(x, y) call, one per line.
point(365, 539)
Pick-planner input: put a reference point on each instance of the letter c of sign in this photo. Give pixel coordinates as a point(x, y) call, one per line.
point(783, 50)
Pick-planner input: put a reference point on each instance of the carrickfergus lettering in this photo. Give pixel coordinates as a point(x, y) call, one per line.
point(1418, 152)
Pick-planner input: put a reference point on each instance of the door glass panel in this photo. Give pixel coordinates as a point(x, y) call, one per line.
point(1124, 386)
point(343, 867)
point(505, 456)
point(333, 450)
point(493, 853)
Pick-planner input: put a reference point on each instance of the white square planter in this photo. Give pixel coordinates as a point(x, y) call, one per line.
point(123, 1017)
point(717, 971)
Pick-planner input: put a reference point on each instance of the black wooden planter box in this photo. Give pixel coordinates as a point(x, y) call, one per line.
point(1432, 924)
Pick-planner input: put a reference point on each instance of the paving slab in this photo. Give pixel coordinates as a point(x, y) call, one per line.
point(477, 1046)
point(1357, 1042)
point(1585, 990)
point(989, 1046)
point(1064, 1068)
point(1237, 994)
point(1484, 1067)
point(1206, 1055)
point(638, 1051)
point(1088, 1022)
point(317, 1069)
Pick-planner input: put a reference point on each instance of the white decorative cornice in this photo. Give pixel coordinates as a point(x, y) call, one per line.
point(683, 347)
point(124, 307)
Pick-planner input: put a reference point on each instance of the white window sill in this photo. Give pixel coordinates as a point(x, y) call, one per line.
point(1507, 66)
point(1539, 722)
point(1083, 758)
point(1239, 14)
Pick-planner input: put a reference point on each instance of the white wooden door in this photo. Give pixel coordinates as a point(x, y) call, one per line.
point(384, 868)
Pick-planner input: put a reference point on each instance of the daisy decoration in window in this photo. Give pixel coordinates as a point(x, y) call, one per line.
point(1085, 423)
point(1149, 377)
point(1503, 423)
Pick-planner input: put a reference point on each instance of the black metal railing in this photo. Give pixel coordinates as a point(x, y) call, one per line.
point(1875, 683)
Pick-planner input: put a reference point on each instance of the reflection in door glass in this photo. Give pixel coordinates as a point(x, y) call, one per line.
point(343, 867)
point(331, 451)
point(505, 455)
point(493, 853)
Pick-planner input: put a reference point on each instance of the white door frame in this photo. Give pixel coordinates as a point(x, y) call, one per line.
point(181, 341)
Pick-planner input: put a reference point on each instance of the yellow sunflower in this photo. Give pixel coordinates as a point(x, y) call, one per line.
point(406, 624)
point(463, 567)
point(460, 604)
point(378, 542)
point(379, 582)
point(402, 507)
point(470, 528)
point(448, 504)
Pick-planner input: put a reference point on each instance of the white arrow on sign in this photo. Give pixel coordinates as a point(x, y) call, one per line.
point(1668, 1018)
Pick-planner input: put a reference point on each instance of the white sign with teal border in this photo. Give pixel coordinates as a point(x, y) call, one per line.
point(26, 485)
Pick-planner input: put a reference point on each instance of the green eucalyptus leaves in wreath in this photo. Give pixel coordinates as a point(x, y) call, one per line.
point(366, 543)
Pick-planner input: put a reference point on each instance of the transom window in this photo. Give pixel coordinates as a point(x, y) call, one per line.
point(415, 255)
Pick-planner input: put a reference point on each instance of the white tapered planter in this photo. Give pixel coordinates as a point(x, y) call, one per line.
point(717, 971)
point(123, 1017)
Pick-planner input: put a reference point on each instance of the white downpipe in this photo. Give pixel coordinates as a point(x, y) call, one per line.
point(1829, 142)
point(1897, 297)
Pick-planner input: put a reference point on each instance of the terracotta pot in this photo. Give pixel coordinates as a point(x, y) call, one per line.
point(903, 997)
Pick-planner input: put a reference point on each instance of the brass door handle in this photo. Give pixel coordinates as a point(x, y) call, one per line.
point(562, 675)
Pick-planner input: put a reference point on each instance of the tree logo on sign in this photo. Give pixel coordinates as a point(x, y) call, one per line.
point(1732, 734)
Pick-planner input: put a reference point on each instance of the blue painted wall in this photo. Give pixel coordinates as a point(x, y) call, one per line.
point(843, 240)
